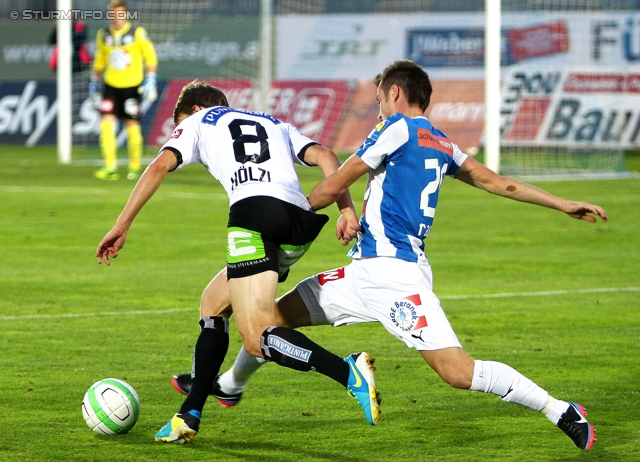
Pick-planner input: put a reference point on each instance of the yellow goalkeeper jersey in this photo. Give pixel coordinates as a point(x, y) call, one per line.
point(120, 55)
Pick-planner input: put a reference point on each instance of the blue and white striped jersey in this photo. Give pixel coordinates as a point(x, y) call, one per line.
point(409, 159)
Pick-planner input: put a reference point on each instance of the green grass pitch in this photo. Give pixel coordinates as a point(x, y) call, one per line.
point(556, 298)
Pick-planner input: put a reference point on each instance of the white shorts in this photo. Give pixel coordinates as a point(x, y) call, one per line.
point(391, 291)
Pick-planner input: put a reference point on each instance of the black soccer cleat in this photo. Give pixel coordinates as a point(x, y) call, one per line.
point(182, 384)
point(574, 424)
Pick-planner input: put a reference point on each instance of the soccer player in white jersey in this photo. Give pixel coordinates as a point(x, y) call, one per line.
point(271, 224)
point(389, 279)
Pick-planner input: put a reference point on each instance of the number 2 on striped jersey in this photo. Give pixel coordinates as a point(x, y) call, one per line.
point(432, 187)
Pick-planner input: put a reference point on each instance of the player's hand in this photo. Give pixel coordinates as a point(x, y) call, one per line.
point(94, 92)
point(347, 226)
point(584, 211)
point(149, 90)
point(111, 245)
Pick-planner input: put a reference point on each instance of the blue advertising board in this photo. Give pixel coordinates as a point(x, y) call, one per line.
point(29, 110)
point(449, 47)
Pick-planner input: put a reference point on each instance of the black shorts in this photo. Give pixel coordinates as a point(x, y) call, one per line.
point(268, 234)
point(124, 103)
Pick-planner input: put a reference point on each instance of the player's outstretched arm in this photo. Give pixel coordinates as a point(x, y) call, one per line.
point(348, 224)
point(332, 187)
point(474, 173)
point(146, 186)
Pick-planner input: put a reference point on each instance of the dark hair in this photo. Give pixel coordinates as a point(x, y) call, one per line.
point(198, 93)
point(413, 80)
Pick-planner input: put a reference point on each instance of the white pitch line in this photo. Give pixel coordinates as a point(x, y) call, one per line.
point(98, 191)
point(188, 195)
point(543, 293)
point(445, 297)
point(88, 315)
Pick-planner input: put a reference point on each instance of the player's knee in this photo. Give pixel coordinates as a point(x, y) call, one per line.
point(208, 309)
point(453, 365)
point(456, 377)
point(253, 348)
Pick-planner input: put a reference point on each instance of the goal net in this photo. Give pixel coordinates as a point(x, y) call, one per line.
point(570, 103)
point(217, 41)
point(570, 72)
point(223, 43)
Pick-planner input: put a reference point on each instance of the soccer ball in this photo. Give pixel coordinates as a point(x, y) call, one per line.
point(111, 407)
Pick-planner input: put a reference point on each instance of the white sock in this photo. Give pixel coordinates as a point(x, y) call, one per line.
point(510, 385)
point(554, 409)
point(235, 379)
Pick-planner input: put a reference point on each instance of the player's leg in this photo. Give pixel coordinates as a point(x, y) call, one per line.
point(331, 298)
point(457, 368)
point(134, 147)
point(252, 300)
point(214, 304)
point(290, 311)
point(214, 338)
point(110, 109)
point(134, 133)
point(290, 348)
point(327, 298)
point(416, 317)
point(108, 148)
point(209, 353)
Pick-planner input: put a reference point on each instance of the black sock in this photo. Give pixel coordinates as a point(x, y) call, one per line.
point(208, 355)
point(295, 350)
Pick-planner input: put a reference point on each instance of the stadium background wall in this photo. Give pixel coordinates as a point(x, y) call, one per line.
point(322, 74)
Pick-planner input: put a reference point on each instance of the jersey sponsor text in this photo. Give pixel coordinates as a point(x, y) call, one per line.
point(427, 140)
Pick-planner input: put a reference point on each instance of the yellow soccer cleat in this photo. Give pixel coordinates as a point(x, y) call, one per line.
point(362, 386)
point(182, 428)
point(106, 174)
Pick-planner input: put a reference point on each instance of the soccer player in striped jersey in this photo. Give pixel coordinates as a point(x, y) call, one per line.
point(390, 279)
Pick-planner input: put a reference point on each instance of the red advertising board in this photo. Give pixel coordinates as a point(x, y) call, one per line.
point(529, 118)
point(313, 107)
point(594, 83)
point(633, 83)
point(456, 109)
point(539, 40)
point(360, 117)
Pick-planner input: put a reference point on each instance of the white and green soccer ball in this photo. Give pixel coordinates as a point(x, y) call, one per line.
point(111, 407)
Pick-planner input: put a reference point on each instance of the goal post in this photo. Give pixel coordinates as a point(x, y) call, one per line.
point(266, 52)
point(492, 78)
point(64, 84)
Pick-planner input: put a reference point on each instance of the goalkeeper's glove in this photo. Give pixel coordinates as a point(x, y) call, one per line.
point(94, 92)
point(148, 89)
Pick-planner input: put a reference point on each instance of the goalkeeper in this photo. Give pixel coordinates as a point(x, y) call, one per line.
point(122, 52)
